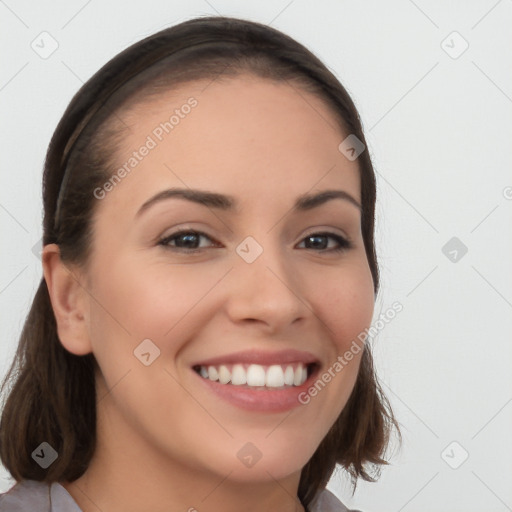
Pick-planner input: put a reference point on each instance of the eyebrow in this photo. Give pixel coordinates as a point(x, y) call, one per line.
point(224, 202)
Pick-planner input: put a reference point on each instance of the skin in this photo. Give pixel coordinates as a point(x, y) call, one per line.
point(164, 441)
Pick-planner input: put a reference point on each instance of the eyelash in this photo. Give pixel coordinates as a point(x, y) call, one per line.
point(344, 244)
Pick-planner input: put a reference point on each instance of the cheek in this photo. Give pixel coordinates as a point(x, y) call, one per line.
point(346, 304)
point(134, 302)
point(344, 307)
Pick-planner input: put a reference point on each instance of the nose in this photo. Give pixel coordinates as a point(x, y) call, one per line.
point(267, 292)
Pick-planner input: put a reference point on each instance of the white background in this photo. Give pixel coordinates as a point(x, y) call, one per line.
point(439, 130)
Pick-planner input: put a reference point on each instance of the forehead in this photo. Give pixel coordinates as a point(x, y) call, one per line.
point(241, 136)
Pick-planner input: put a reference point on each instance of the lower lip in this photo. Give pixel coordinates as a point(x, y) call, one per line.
point(264, 400)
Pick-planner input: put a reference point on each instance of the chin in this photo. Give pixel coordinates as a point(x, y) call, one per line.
point(262, 462)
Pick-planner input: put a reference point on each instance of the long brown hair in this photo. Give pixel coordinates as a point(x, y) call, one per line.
point(52, 396)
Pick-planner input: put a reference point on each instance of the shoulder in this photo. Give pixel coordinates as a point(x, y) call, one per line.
point(326, 501)
point(35, 496)
point(26, 495)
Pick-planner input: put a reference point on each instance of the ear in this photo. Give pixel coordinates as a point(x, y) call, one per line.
point(69, 300)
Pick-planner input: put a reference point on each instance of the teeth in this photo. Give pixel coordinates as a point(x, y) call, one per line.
point(224, 375)
point(238, 375)
point(213, 374)
point(289, 376)
point(275, 377)
point(256, 375)
point(298, 378)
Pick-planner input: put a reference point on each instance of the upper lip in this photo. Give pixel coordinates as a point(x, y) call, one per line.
point(261, 357)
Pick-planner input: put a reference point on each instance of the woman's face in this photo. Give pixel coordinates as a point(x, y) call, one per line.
point(265, 278)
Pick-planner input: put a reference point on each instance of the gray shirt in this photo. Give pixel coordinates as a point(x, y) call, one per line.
point(34, 496)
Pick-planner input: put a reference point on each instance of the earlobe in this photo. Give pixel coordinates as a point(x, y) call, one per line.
point(69, 301)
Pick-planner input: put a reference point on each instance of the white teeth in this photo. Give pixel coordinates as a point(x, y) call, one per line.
point(238, 375)
point(224, 375)
point(213, 374)
point(275, 377)
point(256, 375)
point(297, 378)
point(288, 376)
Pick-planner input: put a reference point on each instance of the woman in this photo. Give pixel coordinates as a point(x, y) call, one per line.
point(197, 340)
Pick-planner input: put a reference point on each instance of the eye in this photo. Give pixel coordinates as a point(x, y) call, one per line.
point(185, 241)
point(319, 242)
point(188, 241)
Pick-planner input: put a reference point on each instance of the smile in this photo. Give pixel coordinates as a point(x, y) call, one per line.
point(258, 388)
point(257, 376)
point(258, 380)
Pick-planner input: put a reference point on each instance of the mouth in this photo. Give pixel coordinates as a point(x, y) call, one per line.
point(257, 380)
point(258, 388)
point(259, 377)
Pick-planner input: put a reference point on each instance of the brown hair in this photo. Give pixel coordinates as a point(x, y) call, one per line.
point(53, 396)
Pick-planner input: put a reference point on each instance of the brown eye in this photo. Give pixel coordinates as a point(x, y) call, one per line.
point(185, 240)
point(320, 242)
